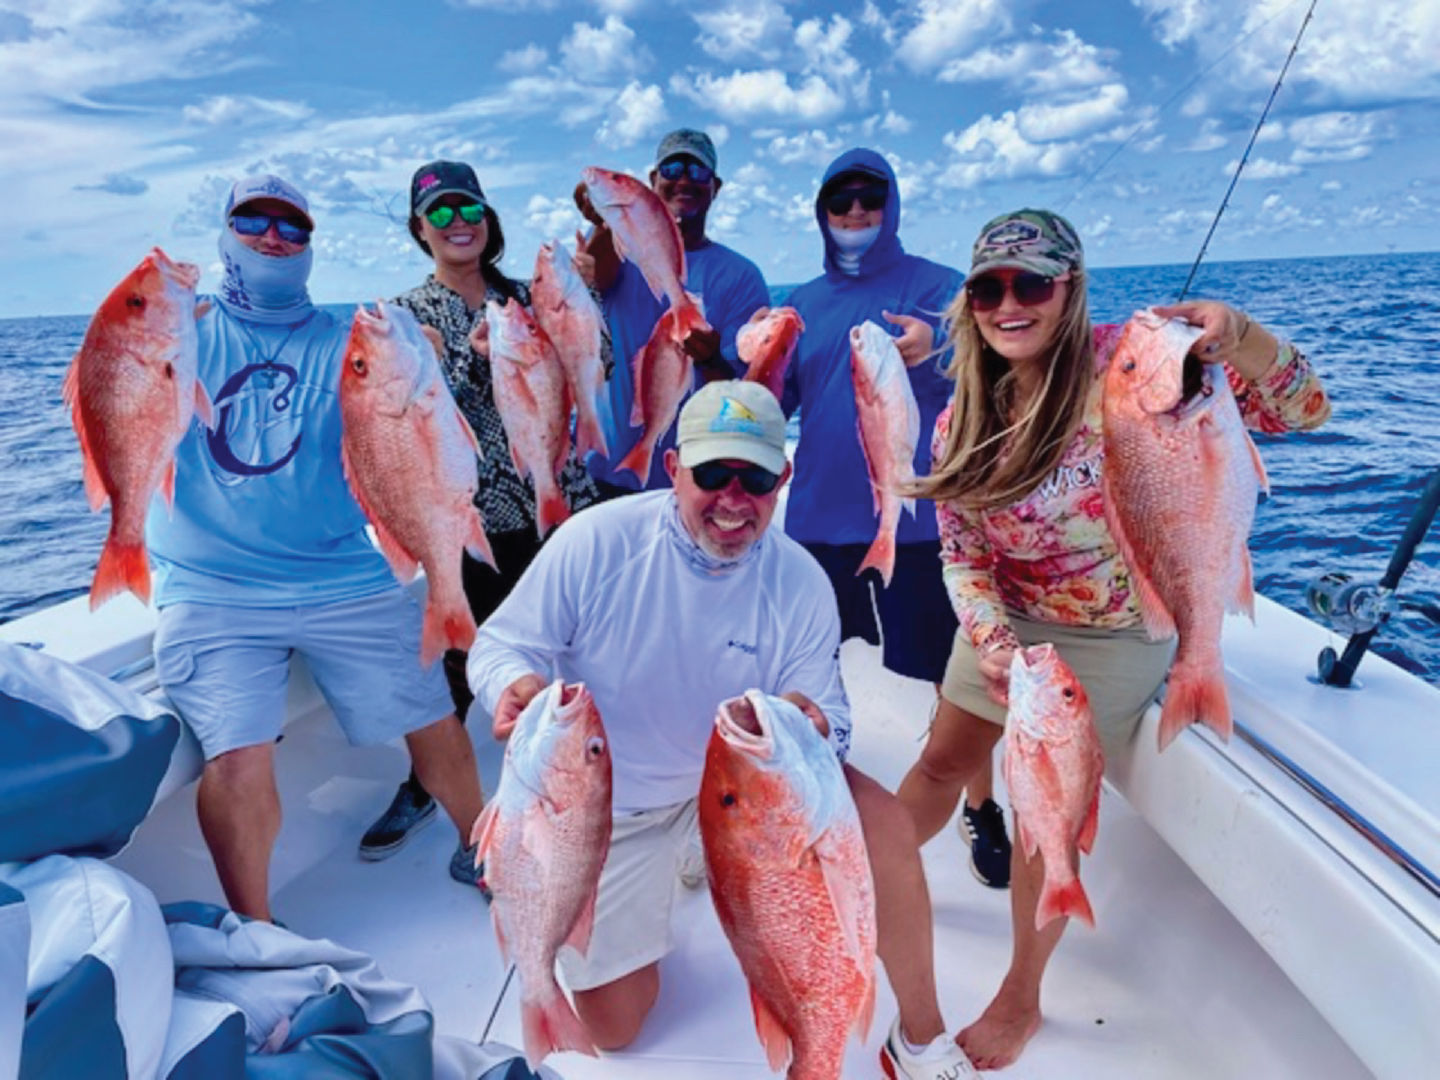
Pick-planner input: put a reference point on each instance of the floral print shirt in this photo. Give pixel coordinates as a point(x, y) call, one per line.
point(506, 501)
point(1050, 556)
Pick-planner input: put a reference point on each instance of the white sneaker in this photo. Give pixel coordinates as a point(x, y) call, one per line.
point(942, 1059)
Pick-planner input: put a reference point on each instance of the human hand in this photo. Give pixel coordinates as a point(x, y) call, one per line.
point(583, 260)
point(812, 711)
point(702, 344)
point(512, 703)
point(917, 339)
point(581, 195)
point(480, 339)
point(1221, 324)
point(995, 670)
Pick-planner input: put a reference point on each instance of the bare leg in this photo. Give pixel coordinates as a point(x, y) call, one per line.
point(444, 761)
point(614, 1013)
point(997, 1038)
point(959, 745)
point(239, 811)
point(905, 933)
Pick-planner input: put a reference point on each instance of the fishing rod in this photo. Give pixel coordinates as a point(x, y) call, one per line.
point(1361, 609)
point(1245, 157)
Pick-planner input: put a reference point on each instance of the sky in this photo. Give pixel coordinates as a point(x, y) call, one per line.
point(123, 123)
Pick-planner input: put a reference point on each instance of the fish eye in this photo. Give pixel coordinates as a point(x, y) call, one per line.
point(728, 799)
point(1069, 694)
point(135, 301)
point(358, 365)
point(1129, 367)
point(594, 746)
point(169, 370)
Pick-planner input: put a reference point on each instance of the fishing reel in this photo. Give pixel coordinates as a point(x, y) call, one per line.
point(1348, 606)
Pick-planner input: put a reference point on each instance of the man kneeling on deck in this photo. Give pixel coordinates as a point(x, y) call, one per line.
point(665, 604)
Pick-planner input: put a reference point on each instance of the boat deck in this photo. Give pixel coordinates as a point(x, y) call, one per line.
point(1168, 985)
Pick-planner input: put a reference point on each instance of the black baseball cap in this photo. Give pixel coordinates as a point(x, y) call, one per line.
point(442, 178)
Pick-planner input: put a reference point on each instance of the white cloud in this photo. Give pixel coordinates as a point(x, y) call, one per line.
point(994, 149)
point(520, 61)
point(1047, 122)
point(752, 95)
point(895, 124)
point(1337, 136)
point(117, 184)
point(553, 217)
point(944, 29)
point(636, 112)
point(1067, 63)
point(814, 147)
point(760, 29)
point(874, 20)
point(240, 110)
point(1207, 138)
point(594, 53)
point(1332, 185)
point(1262, 168)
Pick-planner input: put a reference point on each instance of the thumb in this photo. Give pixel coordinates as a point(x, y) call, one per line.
point(582, 245)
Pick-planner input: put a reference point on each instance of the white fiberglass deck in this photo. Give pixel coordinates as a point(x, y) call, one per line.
point(1169, 985)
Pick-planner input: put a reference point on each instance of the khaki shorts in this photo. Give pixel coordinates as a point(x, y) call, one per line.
point(637, 892)
point(1121, 670)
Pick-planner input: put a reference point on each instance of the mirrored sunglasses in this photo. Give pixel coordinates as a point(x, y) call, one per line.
point(987, 292)
point(871, 198)
point(442, 216)
point(675, 168)
point(288, 229)
point(716, 476)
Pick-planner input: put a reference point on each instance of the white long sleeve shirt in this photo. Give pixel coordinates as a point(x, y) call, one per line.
point(622, 600)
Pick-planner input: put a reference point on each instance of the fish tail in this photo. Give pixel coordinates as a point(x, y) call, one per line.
point(1067, 899)
point(550, 1024)
point(688, 319)
point(553, 509)
point(122, 566)
point(447, 626)
point(478, 545)
point(1195, 695)
point(881, 556)
point(638, 461)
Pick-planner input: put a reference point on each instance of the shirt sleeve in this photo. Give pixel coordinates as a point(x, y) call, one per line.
point(813, 665)
point(1287, 397)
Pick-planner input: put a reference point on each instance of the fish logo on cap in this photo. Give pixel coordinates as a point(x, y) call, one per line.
point(734, 417)
point(1013, 233)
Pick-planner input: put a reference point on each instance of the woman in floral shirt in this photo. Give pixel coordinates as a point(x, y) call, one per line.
point(455, 225)
point(1026, 552)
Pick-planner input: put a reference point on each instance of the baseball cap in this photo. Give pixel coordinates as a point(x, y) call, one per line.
point(1035, 240)
point(442, 178)
point(267, 186)
point(690, 142)
point(732, 419)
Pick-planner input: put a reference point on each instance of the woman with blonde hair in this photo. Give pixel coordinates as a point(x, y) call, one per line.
point(1026, 552)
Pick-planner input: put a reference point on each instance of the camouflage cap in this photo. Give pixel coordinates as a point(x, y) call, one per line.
point(1035, 240)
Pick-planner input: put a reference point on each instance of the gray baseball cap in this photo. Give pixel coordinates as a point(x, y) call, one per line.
point(687, 141)
point(732, 419)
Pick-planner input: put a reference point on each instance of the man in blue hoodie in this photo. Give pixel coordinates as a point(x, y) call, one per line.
point(868, 275)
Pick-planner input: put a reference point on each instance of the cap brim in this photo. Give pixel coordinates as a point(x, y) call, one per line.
point(423, 206)
point(1035, 264)
point(737, 447)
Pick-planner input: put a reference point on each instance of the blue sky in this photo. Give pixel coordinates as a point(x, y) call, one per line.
point(124, 121)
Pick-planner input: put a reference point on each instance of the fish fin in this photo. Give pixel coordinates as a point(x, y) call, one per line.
point(402, 563)
point(551, 511)
point(881, 556)
point(482, 833)
point(875, 483)
point(1260, 474)
point(1194, 695)
point(204, 407)
point(167, 485)
point(688, 320)
point(1045, 773)
point(866, 1015)
point(447, 625)
point(579, 936)
point(848, 895)
point(1243, 601)
point(550, 1024)
point(537, 833)
point(1159, 622)
point(588, 433)
point(1091, 825)
point(469, 433)
point(638, 460)
point(773, 1036)
point(477, 545)
point(499, 934)
point(95, 493)
point(637, 372)
point(1028, 842)
point(122, 566)
point(1067, 899)
point(520, 469)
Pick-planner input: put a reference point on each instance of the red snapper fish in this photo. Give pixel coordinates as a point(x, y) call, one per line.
point(568, 314)
point(888, 422)
point(544, 838)
point(133, 390)
point(1180, 482)
point(790, 877)
point(1053, 765)
point(766, 344)
point(646, 234)
point(661, 377)
point(410, 459)
point(533, 398)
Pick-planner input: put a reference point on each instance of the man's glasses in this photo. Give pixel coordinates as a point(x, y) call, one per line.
point(675, 168)
point(871, 198)
point(716, 476)
point(987, 292)
point(441, 216)
point(288, 229)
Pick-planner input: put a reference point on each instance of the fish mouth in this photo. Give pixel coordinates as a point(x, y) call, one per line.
point(745, 725)
point(377, 322)
point(1035, 656)
point(184, 274)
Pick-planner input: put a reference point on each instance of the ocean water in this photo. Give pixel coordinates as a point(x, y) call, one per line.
point(1340, 497)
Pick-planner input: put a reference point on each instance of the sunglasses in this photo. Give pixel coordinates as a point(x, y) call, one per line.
point(716, 476)
point(288, 229)
point(675, 168)
point(871, 198)
point(987, 292)
point(441, 216)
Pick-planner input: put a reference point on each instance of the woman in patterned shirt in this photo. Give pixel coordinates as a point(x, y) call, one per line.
point(455, 225)
point(1026, 552)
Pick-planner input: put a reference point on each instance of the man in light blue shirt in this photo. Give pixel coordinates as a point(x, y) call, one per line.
point(265, 555)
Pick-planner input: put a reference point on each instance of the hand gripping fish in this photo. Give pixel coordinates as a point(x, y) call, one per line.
point(1180, 481)
point(1053, 764)
point(132, 390)
point(410, 458)
point(767, 343)
point(888, 421)
point(544, 838)
point(791, 882)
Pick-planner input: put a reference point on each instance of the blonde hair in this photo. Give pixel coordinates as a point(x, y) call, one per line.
point(989, 460)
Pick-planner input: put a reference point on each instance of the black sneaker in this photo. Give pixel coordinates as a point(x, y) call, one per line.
point(464, 870)
point(410, 810)
point(984, 831)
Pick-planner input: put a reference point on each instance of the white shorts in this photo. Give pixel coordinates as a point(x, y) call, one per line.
point(637, 893)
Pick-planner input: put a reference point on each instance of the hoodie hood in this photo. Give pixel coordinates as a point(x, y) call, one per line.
point(886, 248)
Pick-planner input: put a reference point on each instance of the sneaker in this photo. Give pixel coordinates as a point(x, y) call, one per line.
point(464, 870)
point(984, 831)
point(410, 810)
point(942, 1059)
